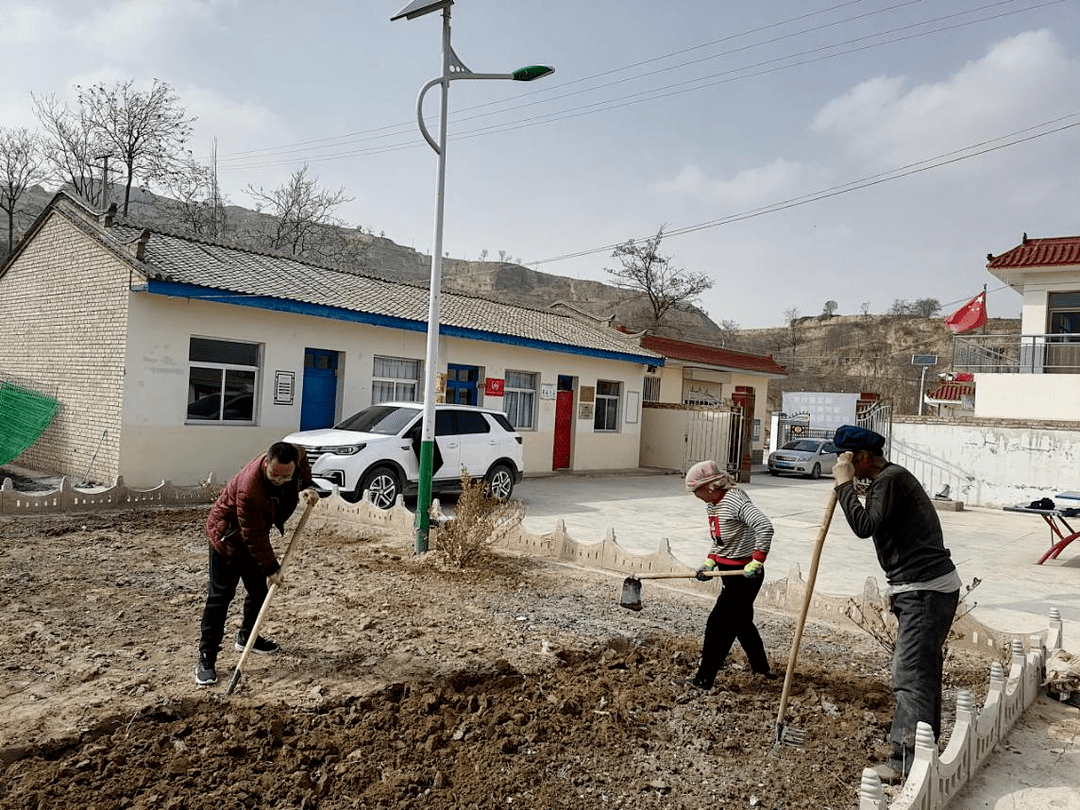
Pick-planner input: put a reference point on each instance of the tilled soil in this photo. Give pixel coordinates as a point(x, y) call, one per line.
point(519, 683)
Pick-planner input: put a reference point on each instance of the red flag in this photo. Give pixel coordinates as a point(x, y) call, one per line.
point(970, 316)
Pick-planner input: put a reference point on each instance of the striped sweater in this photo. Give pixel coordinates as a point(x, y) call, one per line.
point(740, 531)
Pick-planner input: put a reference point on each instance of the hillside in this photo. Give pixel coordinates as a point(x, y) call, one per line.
point(859, 353)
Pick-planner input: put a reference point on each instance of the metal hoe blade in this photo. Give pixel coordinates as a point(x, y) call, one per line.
point(786, 735)
point(631, 594)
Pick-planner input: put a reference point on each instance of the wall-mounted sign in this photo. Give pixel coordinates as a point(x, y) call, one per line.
point(547, 390)
point(284, 387)
point(494, 387)
point(587, 393)
point(585, 410)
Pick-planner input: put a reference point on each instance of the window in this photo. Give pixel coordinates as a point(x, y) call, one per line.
point(222, 377)
point(606, 413)
point(652, 389)
point(394, 379)
point(519, 398)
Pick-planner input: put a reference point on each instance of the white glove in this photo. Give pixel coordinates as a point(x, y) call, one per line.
point(843, 471)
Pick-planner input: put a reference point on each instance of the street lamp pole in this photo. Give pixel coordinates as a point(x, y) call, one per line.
point(452, 70)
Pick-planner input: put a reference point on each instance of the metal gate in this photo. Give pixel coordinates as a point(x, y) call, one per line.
point(713, 434)
point(878, 418)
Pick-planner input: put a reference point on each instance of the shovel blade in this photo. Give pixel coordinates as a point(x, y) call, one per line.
point(788, 736)
point(631, 594)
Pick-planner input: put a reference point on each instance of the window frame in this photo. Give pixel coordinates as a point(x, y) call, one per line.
point(222, 369)
point(397, 382)
point(529, 397)
point(601, 412)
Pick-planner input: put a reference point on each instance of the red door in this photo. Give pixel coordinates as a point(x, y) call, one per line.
point(564, 415)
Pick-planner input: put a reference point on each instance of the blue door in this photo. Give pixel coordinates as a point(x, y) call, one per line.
point(319, 403)
point(462, 383)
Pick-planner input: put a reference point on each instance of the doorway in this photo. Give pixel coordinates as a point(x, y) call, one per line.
point(462, 383)
point(319, 404)
point(564, 423)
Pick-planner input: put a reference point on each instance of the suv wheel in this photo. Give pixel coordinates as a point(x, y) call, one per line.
point(383, 484)
point(500, 482)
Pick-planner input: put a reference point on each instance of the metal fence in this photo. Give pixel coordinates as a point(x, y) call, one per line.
point(1017, 354)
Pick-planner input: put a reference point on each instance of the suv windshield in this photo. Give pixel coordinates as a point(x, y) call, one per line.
point(379, 419)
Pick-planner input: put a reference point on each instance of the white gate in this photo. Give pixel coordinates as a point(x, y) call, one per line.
point(878, 418)
point(713, 434)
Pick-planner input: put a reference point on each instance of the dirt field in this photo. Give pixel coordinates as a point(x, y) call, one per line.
point(521, 684)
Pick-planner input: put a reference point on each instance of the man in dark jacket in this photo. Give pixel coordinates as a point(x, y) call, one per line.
point(924, 587)
point(262, 495)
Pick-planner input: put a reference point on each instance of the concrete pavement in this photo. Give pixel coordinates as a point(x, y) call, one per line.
point(999, 548)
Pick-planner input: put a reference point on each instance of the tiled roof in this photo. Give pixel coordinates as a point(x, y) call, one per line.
point(200, 263)
point(1039, 253)
point(713, 356)
point(951, 391)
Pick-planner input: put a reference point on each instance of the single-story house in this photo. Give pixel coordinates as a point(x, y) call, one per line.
point(175, 356)
point(697, 374)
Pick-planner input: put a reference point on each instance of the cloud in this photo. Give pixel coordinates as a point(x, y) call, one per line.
point(759, 185)
point(886, 122)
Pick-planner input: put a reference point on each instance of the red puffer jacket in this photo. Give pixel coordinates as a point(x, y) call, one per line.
point(249, 506)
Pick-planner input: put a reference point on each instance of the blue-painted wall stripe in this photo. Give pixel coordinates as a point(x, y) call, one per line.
point(178, 290)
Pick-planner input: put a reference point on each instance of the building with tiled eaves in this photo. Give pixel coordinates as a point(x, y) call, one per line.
point(175, 356)
point(698, 374)
point(1034, 375)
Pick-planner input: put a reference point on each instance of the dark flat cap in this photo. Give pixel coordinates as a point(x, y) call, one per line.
point(850, 437)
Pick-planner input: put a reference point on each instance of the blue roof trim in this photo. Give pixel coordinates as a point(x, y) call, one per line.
point(178, 290)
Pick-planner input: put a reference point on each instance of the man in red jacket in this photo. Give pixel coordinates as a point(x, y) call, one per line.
point(262, 495)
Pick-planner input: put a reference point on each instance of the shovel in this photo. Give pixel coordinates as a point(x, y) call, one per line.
point(785, 735)
point(254, 634)
point(631, 587)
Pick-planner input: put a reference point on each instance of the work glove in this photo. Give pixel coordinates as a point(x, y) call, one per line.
point(707, 566)
point(843, 471)
point(753, 568)
point(277, 578)
point(310, 496)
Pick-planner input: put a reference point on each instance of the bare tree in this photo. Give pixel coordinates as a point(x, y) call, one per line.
point(72, 146)
point(729, 332)
point(926, 307)
point(829, 309)
point(900, 306)
point(791, 317)
point(144, 131)
point(194, 200)
point(864, 308)
point(643, 269)
point(304, 214)
point(21, 166)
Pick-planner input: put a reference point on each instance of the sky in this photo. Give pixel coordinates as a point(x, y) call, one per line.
point(795, 151)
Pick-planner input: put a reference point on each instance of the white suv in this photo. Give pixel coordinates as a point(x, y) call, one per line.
point(378, 449)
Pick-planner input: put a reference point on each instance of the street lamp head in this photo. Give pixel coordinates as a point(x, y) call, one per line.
point(418, 8)
point(527, 74)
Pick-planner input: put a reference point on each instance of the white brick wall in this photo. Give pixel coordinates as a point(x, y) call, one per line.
point(63, 316)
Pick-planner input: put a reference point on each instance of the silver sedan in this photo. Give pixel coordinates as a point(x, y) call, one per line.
point(809, 457)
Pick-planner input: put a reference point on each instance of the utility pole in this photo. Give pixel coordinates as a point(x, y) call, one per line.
point(104, 196)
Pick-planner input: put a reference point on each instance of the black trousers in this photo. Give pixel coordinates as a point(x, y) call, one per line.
point(732, 618)
point(225, 575)
point(923, 622)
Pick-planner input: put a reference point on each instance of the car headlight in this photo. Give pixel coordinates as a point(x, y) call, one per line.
point(345, 450)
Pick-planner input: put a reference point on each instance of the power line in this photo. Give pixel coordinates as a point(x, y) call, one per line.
point(936, 162)
point(666, 91)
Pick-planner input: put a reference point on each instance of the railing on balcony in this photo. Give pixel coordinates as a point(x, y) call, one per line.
point(1017, 354)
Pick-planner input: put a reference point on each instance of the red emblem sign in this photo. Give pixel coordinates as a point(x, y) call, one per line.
point(494, 387)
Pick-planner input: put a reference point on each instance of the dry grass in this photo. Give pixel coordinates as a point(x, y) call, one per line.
point(479, 522)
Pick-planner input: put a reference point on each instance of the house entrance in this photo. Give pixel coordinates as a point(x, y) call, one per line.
point(461, 384)
point(319, 404)
point(564, 421)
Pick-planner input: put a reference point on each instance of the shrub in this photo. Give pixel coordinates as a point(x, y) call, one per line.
point(479, 522)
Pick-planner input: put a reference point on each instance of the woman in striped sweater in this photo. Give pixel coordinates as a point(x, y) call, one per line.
point(741, 537)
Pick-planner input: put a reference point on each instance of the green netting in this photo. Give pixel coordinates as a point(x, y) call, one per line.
point(24, 415)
